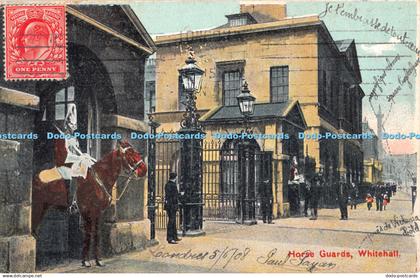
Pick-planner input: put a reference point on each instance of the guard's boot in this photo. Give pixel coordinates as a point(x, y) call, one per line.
point(86, 263)
point(313, 215)
point(99, 263)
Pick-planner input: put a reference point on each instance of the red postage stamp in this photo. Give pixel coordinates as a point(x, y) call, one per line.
point(35, 42)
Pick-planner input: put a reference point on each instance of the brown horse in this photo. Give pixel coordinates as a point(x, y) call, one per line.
point(93, 193)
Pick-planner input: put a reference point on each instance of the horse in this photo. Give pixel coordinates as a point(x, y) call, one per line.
point(93, 193)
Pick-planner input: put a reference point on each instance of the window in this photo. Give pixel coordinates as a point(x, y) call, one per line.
point(323, 90)
point(238, 21)
point(331, 96)
point(279, 84)
point(338, 96)
point(231, 87)
point(345, 99)
point(150, 97)
point(63, 98)
point(182, 95)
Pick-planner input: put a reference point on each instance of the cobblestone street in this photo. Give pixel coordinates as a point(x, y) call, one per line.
point(264, 248)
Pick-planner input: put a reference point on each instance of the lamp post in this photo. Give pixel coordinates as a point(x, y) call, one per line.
point(151, 177)
point(246, 103)
point(246, 200)
point(191, 152)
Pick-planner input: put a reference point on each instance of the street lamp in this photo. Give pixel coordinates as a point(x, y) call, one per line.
point(191, 185)
point(246, 103)
point(247, 197)
point(151, 178)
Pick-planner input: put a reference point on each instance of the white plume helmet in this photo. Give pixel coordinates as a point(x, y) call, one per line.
point(294, 161)
point(71, 118)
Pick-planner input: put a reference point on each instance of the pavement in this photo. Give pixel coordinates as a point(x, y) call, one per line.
point(289, 245)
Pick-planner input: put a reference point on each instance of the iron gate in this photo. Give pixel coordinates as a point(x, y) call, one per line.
point(224, 169)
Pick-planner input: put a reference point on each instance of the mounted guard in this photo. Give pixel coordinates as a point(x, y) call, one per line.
point(70, 161)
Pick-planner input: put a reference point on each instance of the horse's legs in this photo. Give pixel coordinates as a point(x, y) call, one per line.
point(96, 240)
point(38, 211)
point(88, 233)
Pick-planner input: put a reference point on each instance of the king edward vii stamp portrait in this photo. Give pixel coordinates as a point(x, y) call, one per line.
point(35, 42)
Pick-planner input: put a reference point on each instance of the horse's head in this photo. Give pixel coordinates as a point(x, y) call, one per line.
point(132, 159)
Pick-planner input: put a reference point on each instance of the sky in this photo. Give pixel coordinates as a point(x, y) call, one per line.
point(373, 47)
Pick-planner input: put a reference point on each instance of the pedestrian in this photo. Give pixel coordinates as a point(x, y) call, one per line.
point(171, 207)
point(342, 197)
point(385, 201)
point(307, 196)
point(266, 202)
point(353, 196)
point(316, 187)
point(293, 187)
point(378, 197)
point(369, 201)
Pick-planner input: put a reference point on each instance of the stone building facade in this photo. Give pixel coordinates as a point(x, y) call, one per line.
point(282, 59)
point(107, 48)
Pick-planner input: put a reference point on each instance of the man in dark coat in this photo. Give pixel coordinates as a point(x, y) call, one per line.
point(266, 202)
point(171, 207)
point(316, 188)
point(379, 197)
point(343, 196)
point(306, 196)
point(353, 195)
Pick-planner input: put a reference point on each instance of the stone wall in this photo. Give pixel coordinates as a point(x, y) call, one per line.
point(17, 246)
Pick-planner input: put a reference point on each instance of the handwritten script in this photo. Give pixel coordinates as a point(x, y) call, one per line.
point(224, 257)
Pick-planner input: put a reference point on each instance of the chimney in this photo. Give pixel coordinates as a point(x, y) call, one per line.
point(276, 11)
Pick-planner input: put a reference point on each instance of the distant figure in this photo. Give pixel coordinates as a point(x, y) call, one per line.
point(342, 196)
point(316, 187)
point(171, 207)
point(266, 202)
point(307, 196)
point(353, 196)
point(385, 201)
point(369, 201)
point(293, 187)
point(379, 198)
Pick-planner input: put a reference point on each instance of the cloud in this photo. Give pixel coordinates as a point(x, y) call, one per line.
point(380, 48)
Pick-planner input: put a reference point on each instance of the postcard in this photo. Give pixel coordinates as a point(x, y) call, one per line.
point(209, 137)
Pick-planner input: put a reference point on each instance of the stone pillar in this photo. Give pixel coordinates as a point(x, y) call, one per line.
point(17, 246)
point(125, 226)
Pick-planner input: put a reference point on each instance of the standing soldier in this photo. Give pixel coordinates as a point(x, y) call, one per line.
point(342, 196)
point(316, 187)
point(266, 202)
point(294, 182)
point(171, 207)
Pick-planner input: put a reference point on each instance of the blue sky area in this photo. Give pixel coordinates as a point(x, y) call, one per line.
point(373, 47)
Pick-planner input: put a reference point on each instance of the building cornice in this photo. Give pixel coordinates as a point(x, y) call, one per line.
point(18, 98)
point(107, 29)
point(239, 30)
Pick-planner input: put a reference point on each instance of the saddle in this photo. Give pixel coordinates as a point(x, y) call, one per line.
point(49, 175)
